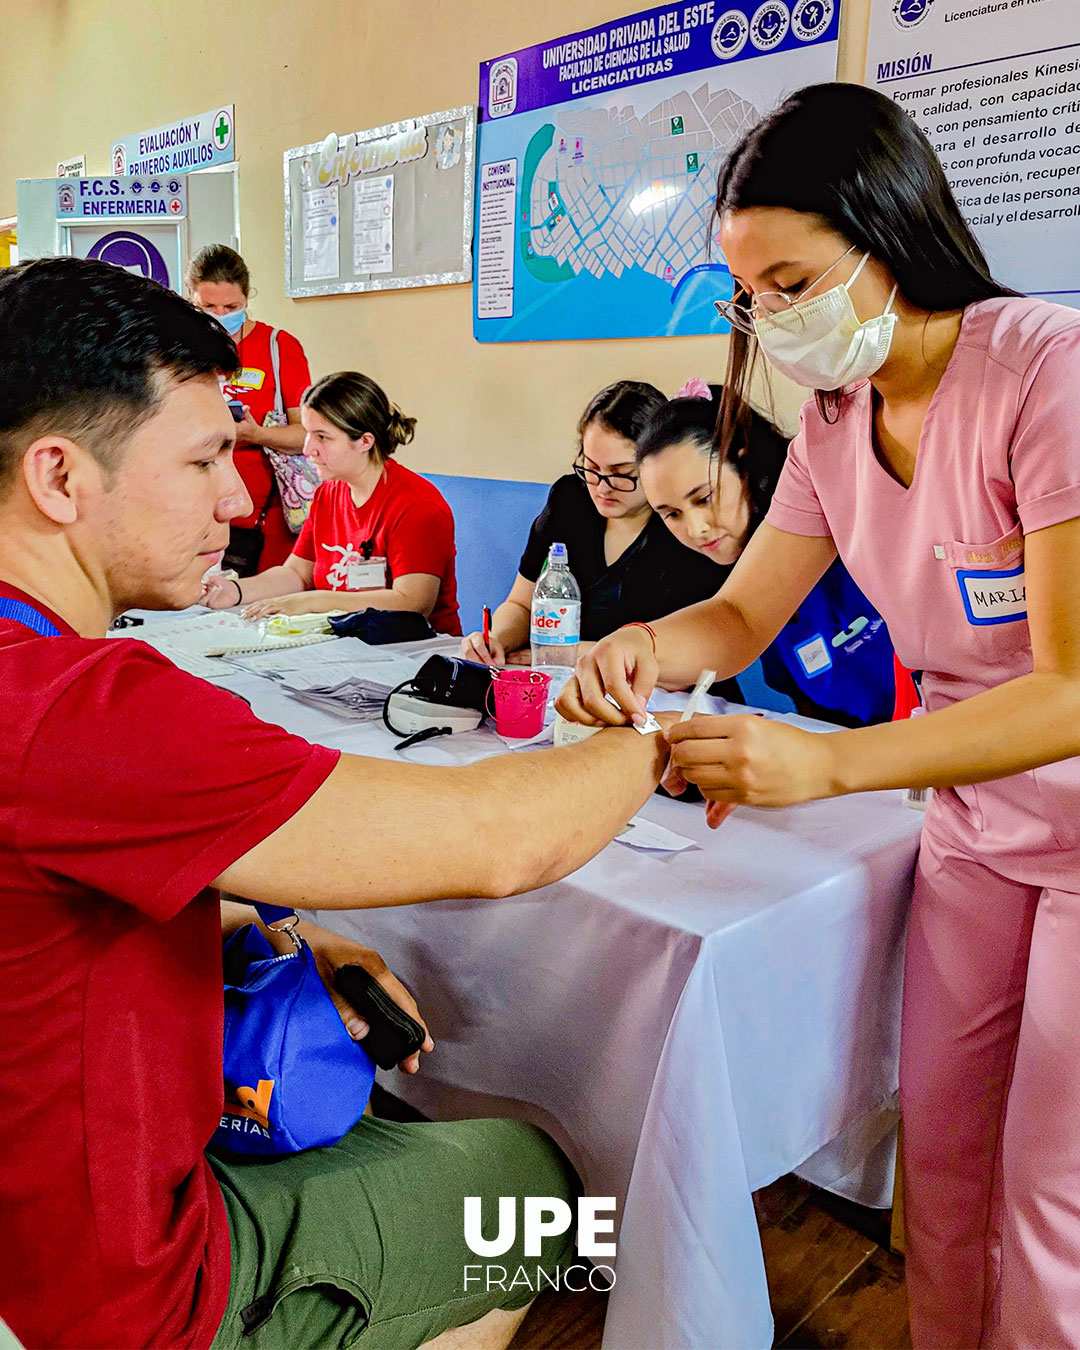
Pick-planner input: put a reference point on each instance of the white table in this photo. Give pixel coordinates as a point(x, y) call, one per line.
point(688, 1027)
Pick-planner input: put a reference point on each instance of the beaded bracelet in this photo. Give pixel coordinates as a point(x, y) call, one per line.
point(638, 624)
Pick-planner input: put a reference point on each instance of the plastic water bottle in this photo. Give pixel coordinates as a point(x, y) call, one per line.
point(556, 612)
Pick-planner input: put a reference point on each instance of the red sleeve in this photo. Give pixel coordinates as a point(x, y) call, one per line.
point(305, 540)
point(145, 783)
point(295, 375)
point(422, 539)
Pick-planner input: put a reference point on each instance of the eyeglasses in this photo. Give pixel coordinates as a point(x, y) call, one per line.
point(618, 482)
point(742, 316)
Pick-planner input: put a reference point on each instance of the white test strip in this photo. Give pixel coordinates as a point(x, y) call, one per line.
point(650, 725)
point(705, 681)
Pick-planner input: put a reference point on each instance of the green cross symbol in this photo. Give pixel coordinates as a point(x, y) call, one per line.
point(221, 130)
point(692, 163)
point(676, 126)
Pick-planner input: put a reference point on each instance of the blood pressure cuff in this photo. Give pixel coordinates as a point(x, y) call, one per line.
point(450, 680)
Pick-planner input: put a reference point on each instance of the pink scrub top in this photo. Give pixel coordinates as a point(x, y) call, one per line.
point(943, 560)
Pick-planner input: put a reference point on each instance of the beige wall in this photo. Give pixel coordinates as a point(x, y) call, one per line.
point(76, 73)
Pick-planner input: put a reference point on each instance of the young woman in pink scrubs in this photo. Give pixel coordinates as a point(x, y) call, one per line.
point(940, 458)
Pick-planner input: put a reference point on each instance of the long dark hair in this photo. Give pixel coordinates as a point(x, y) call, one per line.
point(757, 456)
point(855, 159)
point(623, 407)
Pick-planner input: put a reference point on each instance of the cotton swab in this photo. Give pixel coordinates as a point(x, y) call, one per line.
point(705, 681)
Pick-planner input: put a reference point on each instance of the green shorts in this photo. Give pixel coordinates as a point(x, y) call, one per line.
point(363, 1243)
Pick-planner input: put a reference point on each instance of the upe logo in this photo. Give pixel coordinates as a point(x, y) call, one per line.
point(543, 1216)
point(909, 13)
point(65, 198)
point(502, 87)
point(729, 35)
point(769, 26)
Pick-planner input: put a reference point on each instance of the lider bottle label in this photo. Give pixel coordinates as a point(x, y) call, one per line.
point(556, 623)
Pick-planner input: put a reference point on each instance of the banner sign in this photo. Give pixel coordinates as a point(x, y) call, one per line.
point(655, 44)
point(996, 88)
point(599, 154)
point(197, 142)
point(127, 198)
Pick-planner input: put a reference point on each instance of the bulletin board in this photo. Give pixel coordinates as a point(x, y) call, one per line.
point(383, 209)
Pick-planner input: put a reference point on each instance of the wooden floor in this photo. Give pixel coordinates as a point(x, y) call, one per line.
point(831, 1280)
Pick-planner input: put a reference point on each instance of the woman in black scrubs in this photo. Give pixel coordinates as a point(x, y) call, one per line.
point(627, 563)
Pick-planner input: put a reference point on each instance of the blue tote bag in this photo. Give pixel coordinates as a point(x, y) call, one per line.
point(294, 1077)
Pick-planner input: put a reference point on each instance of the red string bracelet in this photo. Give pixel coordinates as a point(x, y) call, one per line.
point(638, 624)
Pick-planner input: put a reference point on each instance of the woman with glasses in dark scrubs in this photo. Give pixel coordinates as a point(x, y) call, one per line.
point(627, 563)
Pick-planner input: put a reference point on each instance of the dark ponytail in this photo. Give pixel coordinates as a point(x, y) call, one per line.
point(756, 454)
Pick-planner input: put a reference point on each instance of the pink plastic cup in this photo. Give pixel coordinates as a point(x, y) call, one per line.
point(520, 701)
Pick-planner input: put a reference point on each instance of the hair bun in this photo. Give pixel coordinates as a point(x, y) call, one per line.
point(399, 428)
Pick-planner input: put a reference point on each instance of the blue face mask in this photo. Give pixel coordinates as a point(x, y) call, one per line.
point(232, 322)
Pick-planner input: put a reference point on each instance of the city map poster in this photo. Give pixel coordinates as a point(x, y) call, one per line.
point(996, 87)
point(598, 160)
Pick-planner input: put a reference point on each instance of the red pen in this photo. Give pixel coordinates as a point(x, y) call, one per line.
point(487, 628)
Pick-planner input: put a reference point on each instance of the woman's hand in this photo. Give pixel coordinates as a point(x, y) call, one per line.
point(220, 592)
point(741, 760)
point(473, 649)
point(302, 602)
point(331, 953)
point(247, 429)
point(622, 665)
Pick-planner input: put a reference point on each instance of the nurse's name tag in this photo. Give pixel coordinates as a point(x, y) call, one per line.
point(248, 378)
point(814, 656)
point(366, 576)
point(993, 597)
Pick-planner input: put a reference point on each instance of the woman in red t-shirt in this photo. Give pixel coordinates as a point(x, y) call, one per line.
point(378, 535)
point(219, 284)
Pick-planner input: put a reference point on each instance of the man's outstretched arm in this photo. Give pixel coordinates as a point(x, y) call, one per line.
point(384, 833)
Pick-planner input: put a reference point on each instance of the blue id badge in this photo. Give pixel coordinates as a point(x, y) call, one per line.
point(993, 597)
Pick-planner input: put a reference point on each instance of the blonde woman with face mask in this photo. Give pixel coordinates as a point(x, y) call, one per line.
point(940, 459)
point(219, 284)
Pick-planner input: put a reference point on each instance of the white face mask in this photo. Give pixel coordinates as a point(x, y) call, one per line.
point(820, 342)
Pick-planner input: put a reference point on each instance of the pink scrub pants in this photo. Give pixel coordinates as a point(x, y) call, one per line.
point(990, 1095)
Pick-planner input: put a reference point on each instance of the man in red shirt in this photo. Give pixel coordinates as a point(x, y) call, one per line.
point(130, 791)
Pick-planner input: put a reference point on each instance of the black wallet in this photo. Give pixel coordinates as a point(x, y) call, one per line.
point(393, 1035)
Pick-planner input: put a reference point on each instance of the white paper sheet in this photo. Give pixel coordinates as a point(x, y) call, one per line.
point(373, 224)
point(332, 662)
point(321, 233)
point(653, 838)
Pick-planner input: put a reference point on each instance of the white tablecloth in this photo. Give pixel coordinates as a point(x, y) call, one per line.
point(688, 1027)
